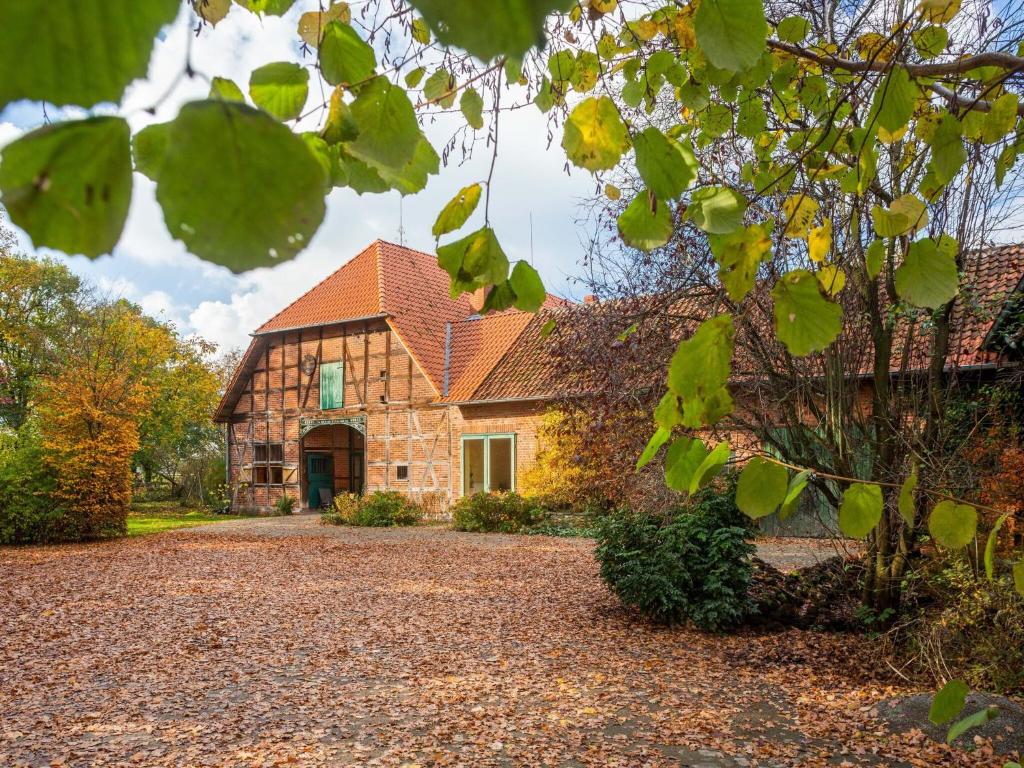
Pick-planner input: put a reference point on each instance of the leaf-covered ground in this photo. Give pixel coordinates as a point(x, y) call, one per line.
point(277, 642)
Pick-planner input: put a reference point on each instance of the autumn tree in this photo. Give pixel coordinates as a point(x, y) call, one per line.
point(40, 308)
point(89, 415)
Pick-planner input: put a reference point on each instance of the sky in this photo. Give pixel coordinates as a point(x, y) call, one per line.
point(151, 269)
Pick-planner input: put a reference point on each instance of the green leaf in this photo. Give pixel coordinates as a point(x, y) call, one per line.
point(440, 88)
point(682, 459)
point(420, 31)
point(1000, 119)
point(716, 120)
point(805, 321)
point(953, 525)
point(457, 211)
point(472, 106)
point(948, 702)
point(413, 77)
point(529, 288)
point(928, 276)
point(77, 52)
point(907, 507)
point(587, 72)
point(412, 177)
point(666, 166)
point(547, 328)
point(388, 131)
point(894, 100)
point(752, 118)
point(948, 153)
point(797, 483)
point(270, 7)
point(506, 27)
point(699, 372)
point(149, 146)
point(668, 413)
point(1018, 577)
point(562, 66)
point(761, 488)
point(990, 547)
point(226, 90)
point(717, 210)
point(731, 33)
point(341, 125)
point(860, 510)
point(280, 89)
point(875, 258)
point(739, 255)
point(709, 467)
point(658, 439)
point(595, 136)
point(68, 184)
point(344, 56)
point(362, 178)
point(793, 29)
point(906, 214)
point(475, 261)
point(237, 187)
point(976, 720)
point(645, 223)
point(930, 41)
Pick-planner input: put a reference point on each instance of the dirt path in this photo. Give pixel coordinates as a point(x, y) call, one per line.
point(278, 642)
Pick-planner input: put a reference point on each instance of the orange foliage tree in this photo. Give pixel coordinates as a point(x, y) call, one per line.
point(89, 416)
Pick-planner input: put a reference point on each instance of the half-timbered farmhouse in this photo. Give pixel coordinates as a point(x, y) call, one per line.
point(376, 379)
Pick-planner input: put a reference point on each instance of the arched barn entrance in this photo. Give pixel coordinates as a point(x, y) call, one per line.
point(332, 461)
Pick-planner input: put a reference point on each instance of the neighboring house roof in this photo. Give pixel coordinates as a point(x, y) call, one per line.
point(528, 370)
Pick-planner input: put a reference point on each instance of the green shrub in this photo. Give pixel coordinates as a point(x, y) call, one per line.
point(285, 505)
point(688, 566)
point(28, 512)
point(496, 513)
point(966, 626)
point(380, 509)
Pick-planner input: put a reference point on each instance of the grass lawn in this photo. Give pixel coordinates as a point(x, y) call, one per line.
point(156, 516)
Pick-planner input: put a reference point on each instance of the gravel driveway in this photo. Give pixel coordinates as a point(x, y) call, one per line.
point(279, 642)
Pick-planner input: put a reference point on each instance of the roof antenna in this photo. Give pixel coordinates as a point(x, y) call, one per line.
point(401, 229)
point(531, 238)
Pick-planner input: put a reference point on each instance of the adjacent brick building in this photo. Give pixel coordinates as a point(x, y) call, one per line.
point(377, 379)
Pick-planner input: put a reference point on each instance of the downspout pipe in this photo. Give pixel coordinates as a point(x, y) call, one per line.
point(447, 358)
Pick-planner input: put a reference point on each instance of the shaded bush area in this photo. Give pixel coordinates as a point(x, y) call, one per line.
point(498, 513)
point(963, 625)
point(380, 509)
point(822, 596)
point(693, 564)
point(29, 512)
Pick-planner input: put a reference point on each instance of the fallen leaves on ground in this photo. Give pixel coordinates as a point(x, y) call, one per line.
point(414, 647)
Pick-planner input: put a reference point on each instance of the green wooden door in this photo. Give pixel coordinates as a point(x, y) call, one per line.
point(319, 474)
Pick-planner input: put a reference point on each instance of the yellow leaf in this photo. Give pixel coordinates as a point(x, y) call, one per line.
point(819, 241)
point(604, 6)
point(645, 29)
point(873, 46)
point(612, 192)
point(913, 208)
point(832, 279)
point(311, 24)
point(938, 11)
point(887, 137)
point(682, 28)
point(799, 211)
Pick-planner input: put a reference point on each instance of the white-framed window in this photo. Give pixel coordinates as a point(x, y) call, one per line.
point(488, 463)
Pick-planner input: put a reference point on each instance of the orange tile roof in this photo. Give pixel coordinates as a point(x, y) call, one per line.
point(410, 290)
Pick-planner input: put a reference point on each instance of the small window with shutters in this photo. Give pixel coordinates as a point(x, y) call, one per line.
point(332, 385)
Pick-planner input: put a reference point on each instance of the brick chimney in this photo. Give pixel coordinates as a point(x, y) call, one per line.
point(590, 299)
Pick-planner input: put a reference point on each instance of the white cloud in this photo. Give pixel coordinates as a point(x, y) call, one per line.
point(208, 300)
